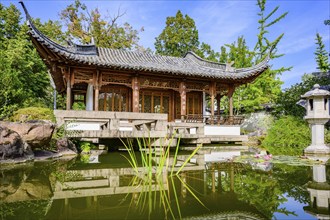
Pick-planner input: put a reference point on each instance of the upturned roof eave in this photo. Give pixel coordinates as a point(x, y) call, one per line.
point(73, 55)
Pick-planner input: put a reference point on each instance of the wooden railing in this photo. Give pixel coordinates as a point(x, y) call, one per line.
point(214, 120)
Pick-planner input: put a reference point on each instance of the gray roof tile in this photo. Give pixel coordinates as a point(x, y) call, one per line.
point(189, 65)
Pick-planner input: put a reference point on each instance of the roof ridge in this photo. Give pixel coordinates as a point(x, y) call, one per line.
point(202, 59)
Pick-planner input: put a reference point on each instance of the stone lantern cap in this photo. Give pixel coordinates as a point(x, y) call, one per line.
point(316, 92)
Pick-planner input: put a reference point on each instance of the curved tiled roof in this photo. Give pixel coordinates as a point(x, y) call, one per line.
point(189, 65)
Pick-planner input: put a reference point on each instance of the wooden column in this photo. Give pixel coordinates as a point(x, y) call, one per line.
point(183, 96)
point(97, 85)
point(172, 106)
point(212, 96)
point(218, 103)
point(135, 94)
point(231, 90)
point(68, 89)
point(232, 175)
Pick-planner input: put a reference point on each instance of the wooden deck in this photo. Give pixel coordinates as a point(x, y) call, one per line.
point(110, 125)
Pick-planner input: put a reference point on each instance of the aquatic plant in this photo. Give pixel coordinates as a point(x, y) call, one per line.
point(155, 175)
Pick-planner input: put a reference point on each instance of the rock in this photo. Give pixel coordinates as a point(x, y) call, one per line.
point(259, 121)
point(11, 144)
point(64, 145)
point(27, 190)
point(45, 155)
point(36, 133)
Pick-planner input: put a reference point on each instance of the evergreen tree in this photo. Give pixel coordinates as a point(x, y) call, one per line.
point(223, 55)
point(178, 37)
point(321, 55)
point(206, 52)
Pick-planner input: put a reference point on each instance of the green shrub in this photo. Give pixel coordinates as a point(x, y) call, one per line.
point(288, 136)
point(86, 147)
point(78, 106)
point(327, 136)
point(33, 113)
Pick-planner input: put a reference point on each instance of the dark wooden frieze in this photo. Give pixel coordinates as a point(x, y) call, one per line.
point(197, 86)
point(148, 82)
point(116, 79)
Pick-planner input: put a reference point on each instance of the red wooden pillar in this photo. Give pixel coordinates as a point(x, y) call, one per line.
point(68, 89)
point(135, 94)
point(183, 96)
point(218, 103)
point(231, 90)
point(212, 92)
point(97, 83)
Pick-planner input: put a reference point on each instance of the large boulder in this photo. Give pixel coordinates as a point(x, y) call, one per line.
point(65, 146)
point(11, 144)
point(36, 134)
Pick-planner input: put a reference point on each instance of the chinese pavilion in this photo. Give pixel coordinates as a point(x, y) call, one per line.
point(118, 80)
point(114, 80)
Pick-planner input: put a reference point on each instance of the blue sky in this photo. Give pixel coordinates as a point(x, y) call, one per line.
point(220, 22)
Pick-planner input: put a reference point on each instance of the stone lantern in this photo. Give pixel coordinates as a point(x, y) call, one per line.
point(317, 115)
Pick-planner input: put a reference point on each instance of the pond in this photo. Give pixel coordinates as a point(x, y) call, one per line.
point(209, 186)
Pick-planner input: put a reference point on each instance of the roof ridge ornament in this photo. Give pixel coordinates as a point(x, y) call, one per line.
point(229, 66)
point(28, 17)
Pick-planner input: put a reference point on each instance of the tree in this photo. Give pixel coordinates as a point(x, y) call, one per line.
point(267, 87)
point(206, 52)
point(24, 79)
point(321, 55)
point(178, 37)
point(239, 53)
point(286, 102)
point(241, 57)
point(88, 26)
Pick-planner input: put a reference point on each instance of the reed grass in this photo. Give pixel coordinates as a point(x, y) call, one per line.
point(157, 174)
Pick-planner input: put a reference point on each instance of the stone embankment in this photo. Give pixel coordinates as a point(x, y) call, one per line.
point(20, 142)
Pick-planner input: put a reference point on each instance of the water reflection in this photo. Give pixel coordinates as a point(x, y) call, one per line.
point(228, 190)
point(319, 191)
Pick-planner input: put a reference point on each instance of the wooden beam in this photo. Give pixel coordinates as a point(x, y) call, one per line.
point(183, 96)
point(135, 94)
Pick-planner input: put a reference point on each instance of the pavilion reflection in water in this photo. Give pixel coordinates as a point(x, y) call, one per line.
point(107, 193)
point(94, 191)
